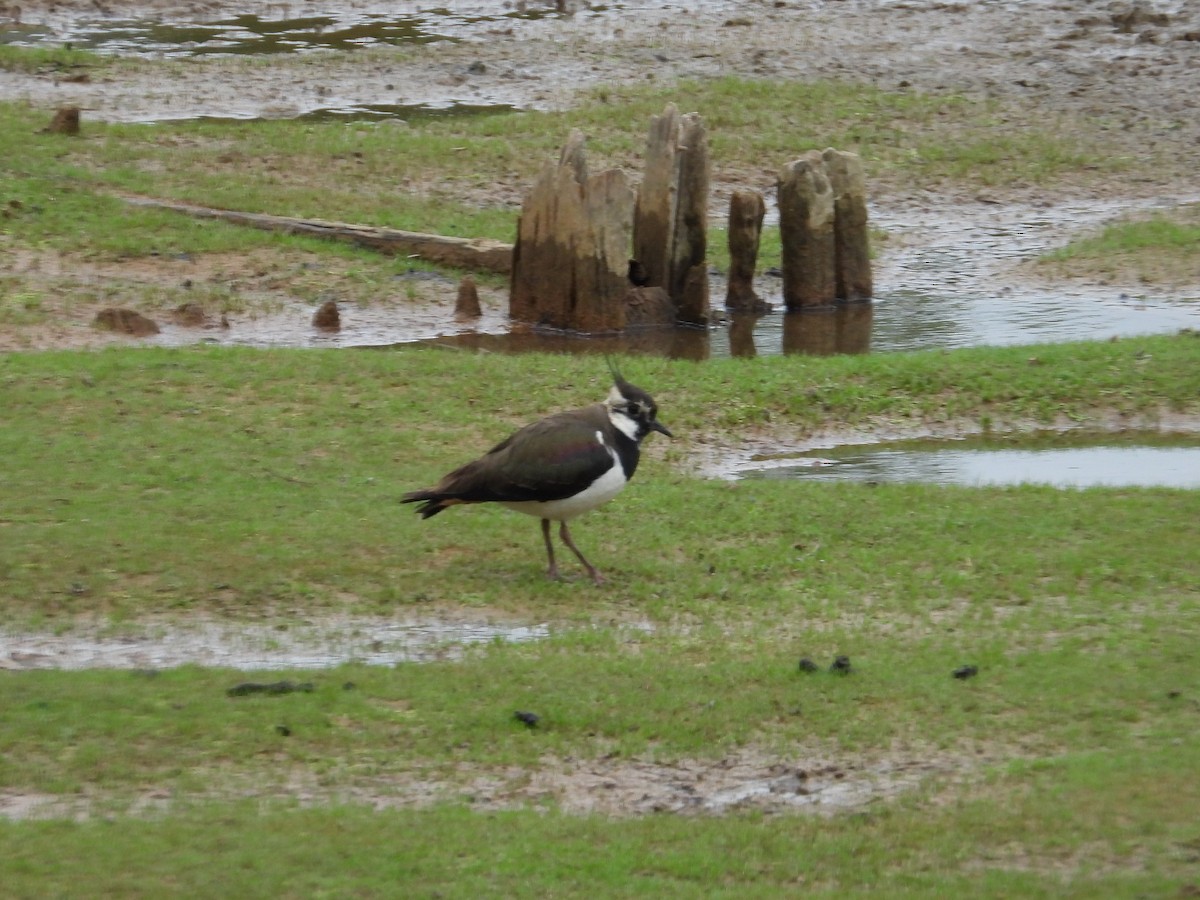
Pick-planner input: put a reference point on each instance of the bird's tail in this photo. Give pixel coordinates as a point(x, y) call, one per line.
point(432, 502)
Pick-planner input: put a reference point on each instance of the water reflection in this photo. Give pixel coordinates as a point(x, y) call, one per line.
point(1135, 459)
point(384, 112)
point(842, 329)
point(245, 646)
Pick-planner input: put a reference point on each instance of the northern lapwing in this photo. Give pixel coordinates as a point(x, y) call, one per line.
point(557, 468)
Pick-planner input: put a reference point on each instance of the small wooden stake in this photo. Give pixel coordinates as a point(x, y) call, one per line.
point(746, 212)
point(65, 121)
point(466, 305)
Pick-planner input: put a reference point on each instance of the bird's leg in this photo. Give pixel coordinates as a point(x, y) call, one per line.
point(566, 539)
point(552, 572)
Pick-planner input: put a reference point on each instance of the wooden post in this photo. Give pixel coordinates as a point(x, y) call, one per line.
point(806, 230)
point(689, 264)
point(466, 304)
point(571, 259)
point(851, 239)
point(654, 217)
point(746, 212)
point(65, 121)
point(670, 240)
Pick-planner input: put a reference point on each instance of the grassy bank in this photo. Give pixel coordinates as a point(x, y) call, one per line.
point(181, 478)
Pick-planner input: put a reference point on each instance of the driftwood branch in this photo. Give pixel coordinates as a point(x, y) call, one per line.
point(462, 253)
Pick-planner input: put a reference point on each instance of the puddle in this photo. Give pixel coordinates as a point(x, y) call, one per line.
point(315, 645)
point(253, 35)
point(1071, 460)
point(381, 112)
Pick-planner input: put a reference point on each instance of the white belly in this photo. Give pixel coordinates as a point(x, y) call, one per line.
point(601, 491)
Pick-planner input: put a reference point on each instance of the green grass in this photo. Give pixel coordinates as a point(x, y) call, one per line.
point(248, 487)
point(172, 486)
point(1159, 248)
point(252, 459)
point(974, 847)
point(46, 60)
point(1131, 237)
point(360, 171)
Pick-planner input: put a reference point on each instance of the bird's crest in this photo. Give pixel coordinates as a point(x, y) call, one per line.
point(613, 370)
point(624, 388)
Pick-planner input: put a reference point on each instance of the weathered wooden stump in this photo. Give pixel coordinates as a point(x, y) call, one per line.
point(689, 266)
point(327, 317)
point(654, 217)
point(571, 259)
point(648, 306)
point(747, 210)
point(670, 224)
point(125, 321)
point(65, 121)
point(466, 304)
point(851, 239)
point(806, 212)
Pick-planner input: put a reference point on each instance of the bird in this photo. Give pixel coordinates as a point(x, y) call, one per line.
point(556, 468)
point(638, 274)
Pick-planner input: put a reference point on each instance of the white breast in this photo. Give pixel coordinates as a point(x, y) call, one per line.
point(598, 493)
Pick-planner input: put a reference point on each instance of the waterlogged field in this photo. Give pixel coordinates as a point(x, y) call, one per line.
point(234, 665)
point(679, 746)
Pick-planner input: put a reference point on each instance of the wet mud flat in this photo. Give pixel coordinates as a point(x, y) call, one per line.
point(950, 278)
point(1136, 61)
point(806, 783)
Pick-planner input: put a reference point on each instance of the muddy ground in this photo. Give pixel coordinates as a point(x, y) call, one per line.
point(1134, 65)
point(1133, 62)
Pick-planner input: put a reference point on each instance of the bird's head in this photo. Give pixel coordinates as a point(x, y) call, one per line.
point(631, 409)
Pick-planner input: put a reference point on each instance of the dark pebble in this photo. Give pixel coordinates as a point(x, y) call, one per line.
point(276, 687)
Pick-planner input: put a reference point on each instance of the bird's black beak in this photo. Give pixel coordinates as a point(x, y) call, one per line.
point(661, 429)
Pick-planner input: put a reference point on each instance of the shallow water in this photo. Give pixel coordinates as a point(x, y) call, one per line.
point(317, 645)
point(1059, 460)
point(253, 35)
point(942, 283)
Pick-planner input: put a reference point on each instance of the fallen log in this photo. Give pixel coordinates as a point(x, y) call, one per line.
point(461, 253)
